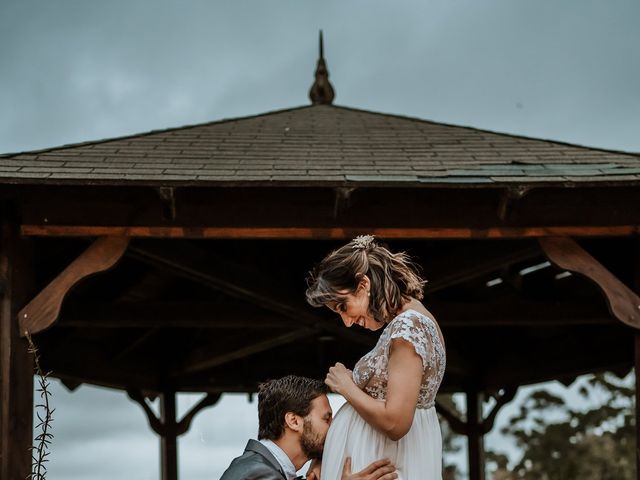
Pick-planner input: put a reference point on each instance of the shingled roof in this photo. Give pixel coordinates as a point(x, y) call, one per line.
point(320, 145)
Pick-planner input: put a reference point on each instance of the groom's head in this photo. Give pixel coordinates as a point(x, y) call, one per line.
point(295, 408)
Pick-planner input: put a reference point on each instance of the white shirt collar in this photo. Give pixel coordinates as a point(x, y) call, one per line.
point(282, 458)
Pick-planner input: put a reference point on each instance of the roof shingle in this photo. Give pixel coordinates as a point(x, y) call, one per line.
point(320, 144)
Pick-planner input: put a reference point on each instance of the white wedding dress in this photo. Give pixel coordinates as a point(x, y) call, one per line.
point(417, 455)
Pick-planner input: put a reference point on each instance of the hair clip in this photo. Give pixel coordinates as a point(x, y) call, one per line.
point(363, 242)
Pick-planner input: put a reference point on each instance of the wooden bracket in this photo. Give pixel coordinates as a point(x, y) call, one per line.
point(71, 384)
point(461, 427)
point(508, 198)
point(43, 311)
point(155, 424)
point(342, 200)
point(168, 197)
point(456, 424)
point(501, 400)
point(208, 401)
point(623, 303)
point(183, 425)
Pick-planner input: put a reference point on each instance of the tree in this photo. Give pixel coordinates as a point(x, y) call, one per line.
point(596, 443)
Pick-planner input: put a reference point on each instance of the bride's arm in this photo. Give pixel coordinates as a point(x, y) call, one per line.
point(394, 416)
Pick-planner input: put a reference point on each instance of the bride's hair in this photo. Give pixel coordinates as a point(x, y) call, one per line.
point(394, 277)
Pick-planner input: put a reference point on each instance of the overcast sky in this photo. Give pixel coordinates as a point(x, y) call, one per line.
point(75, 71)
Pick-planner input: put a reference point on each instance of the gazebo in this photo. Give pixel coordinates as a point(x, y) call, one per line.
point(174, 261)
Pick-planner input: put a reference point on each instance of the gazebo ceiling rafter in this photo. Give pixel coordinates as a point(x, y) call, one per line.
point(218, 273)
point(204, 359)
point(506, 310)
point(482, 267)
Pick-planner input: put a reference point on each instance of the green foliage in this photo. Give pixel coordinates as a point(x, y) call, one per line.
point(559, 442)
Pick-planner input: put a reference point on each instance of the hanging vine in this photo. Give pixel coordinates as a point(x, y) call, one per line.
point(40, 451)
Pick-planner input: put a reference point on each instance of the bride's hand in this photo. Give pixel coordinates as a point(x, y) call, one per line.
point(339, 378)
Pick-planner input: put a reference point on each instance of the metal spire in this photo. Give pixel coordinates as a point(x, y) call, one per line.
point(321, 92)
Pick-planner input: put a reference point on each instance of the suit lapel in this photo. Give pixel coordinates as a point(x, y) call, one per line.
point(260, 449)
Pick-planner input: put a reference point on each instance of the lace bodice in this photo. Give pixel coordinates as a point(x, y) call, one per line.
point(371, 372)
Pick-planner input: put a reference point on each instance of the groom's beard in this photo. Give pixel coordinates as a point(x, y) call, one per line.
point(311, 442)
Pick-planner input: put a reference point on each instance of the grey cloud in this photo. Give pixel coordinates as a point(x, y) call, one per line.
point(80, 71)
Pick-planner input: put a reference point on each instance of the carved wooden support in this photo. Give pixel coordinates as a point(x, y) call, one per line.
point(183, 425)
point(623, 303)
point(509, 197)
point(43, 311)
point(501, 401)
point(456, 424)
point(208, 401)
point(485, 426)
point(155, 424)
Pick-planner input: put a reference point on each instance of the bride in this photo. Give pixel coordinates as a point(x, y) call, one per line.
point(391, 392)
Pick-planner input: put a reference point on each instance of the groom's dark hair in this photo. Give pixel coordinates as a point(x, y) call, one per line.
point(278, 397)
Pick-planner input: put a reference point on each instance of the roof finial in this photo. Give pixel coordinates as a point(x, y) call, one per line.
point(321, 92)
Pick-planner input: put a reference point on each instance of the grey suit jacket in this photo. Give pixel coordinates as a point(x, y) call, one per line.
point(256, 463)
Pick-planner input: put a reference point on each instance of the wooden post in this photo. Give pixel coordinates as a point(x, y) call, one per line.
point(168, 428)
point(16, 363)
point(637, 372)
point(169, 439)
point(475, 435)
point(636, 287)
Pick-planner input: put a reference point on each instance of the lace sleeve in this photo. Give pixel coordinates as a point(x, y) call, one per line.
point(411, 329)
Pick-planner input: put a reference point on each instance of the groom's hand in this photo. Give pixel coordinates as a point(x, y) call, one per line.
point(314, 470)
point(379, 470)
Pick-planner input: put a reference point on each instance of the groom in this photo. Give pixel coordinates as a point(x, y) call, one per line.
point(293, 416)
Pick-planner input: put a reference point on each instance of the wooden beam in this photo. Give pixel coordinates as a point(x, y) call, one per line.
point(567, 254)
point(475, 436)
point(153, 314)
point(79, 359)
point(203, 359)
point(16, 363)
point(505, 311)
point(636, 338)
point(637, 374)
point(42, 312)
point(515, 311)
point(221, 274)
point(268, 206)
point(481, 267)
point(571, 371)
point(327, 233)
point(169, 439)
